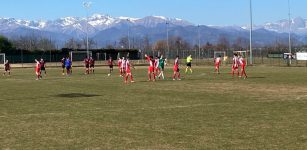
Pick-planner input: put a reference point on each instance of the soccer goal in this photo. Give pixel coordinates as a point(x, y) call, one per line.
point(244, 54)
point(79, 55)
point(220, 53)
point(2, 58)
point(101, 56)
point(241, 53)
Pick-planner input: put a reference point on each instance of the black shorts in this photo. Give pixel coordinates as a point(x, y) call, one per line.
point(7, 69)
point(189, 64)
point(43, 68)
point(111, 66)
point(87, 66)
point(63, 66)
point(92, 66)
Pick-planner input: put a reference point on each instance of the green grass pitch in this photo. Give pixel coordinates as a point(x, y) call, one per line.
point(266, 111)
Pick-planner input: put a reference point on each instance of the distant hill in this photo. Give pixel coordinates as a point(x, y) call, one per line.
point(106, 29)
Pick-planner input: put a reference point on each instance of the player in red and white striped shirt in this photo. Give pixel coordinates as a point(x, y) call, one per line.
point(128, 66)
point(176, 69)
point(150, 68)
point(235, 65)
point(217, 63)
point(242, 65)
point(123, 67)
point(38, 70)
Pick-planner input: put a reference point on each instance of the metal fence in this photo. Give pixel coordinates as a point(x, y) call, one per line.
point(200, 57)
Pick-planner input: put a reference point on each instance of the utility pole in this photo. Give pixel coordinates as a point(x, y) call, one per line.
point(129, 46)
point(87, 6)
point(198, 41)
point(251, 33)
point(290, 23)
point(167, 41)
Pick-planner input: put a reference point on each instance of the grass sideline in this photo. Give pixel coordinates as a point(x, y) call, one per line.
point(265, 111)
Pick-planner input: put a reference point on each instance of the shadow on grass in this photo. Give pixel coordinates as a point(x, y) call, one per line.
point(257, 77)
point(76, 95)
point(157, 81)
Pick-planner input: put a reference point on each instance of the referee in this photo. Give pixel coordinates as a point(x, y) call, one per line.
point(189, 64)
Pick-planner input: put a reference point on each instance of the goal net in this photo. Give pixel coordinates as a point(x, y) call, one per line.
point(243, 54)
point(221, 54)
point(79, 55)
point(2, 58)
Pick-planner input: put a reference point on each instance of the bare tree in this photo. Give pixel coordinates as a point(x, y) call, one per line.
point(146, 43)
point(223, 43)
point(32, 43)
point(20, 43)
point(109, 46)
point(240, 44)
point(71, 44)
point(46, 44)
point(91, 43)
point(124, 42)
point(160, 46)
point(281, 46)
point(177, 45)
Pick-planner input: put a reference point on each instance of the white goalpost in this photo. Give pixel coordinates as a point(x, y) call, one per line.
point(244, 54)
point(2, 58)
point(222, 54)
point(78, 55)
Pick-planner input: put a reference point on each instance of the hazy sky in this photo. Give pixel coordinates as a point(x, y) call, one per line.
point(208, 12)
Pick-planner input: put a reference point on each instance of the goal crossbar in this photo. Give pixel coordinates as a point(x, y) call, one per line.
point(71, 54)
point(219, 52)
point(244, 54)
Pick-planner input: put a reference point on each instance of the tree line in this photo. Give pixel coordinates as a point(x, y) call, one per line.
point(175, 44)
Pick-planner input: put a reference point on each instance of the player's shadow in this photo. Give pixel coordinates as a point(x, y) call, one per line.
point(257, 77)
point(76, 95)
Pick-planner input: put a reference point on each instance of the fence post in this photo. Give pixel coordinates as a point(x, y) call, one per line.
point(21, 58)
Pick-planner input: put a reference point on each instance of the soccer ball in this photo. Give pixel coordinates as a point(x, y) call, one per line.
point(109, 74)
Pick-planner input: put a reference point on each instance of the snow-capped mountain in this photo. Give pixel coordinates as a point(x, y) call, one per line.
point(298, 26)
point(105, 28)
point(77, 26)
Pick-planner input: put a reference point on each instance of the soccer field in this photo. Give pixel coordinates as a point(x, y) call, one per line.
point(266, 111)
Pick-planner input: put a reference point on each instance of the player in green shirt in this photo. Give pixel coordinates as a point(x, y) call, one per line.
point(189, 64)
point(161, 67)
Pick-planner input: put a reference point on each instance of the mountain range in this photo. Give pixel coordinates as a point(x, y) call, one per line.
point(106, 29)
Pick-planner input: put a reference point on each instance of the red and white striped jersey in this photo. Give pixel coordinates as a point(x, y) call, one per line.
point(242, 61)
point(156, 65)
point(151, 63)
point(123, 64)
point(176, 62)
point(119, 62)
point(217, 61)
point(127, 65)
point(235, 61)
